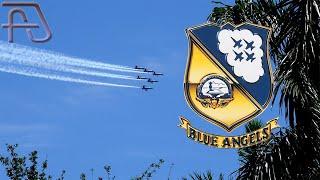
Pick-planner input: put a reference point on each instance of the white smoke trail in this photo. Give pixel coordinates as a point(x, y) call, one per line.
point(34, 73)
point(37, 62)
point(56, 58)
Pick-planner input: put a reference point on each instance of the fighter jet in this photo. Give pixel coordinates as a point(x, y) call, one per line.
point(152, 81)
point(236, 43)
point(157, 74)
point(249, 44)
point(238, 56)
point(140, 77)
point(146, 70)
point(144, 88)
point(139, 68)
point(250, 56)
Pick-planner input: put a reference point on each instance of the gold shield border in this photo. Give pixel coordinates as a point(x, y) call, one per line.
point(193, 39)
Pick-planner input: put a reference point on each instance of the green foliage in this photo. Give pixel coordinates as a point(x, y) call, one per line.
point(147, 174)
point(62, 175)
point(107, 168)
point(249, 154)
point(82, 176)
point(253, 126)
point(20, 167)
point(204, 176)
point(150, 171)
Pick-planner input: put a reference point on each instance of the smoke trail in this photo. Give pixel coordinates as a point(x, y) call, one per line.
point(37, 62)
point(32, 73)
point(56, 58)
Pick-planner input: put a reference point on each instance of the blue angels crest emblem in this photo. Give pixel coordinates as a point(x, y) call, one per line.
point(228, 79)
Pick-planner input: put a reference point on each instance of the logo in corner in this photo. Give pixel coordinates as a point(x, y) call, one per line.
point(228, 79)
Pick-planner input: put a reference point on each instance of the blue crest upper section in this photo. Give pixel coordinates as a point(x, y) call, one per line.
point(207, 35)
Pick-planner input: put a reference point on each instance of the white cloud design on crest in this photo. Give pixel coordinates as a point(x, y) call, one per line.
point(243, 51)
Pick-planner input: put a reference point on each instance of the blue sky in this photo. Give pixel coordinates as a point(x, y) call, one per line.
point(79, 127)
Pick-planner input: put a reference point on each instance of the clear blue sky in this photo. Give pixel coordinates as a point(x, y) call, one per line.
point(79, 127)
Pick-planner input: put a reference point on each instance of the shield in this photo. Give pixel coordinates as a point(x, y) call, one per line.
point(228, 79)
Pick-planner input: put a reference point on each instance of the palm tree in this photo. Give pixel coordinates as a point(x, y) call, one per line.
point(293, 153)
point(204, 176)
point(248, 155)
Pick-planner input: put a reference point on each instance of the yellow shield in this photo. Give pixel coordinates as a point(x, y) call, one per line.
point(214, 87)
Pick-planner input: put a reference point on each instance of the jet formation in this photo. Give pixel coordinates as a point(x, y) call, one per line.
point(146, 78)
